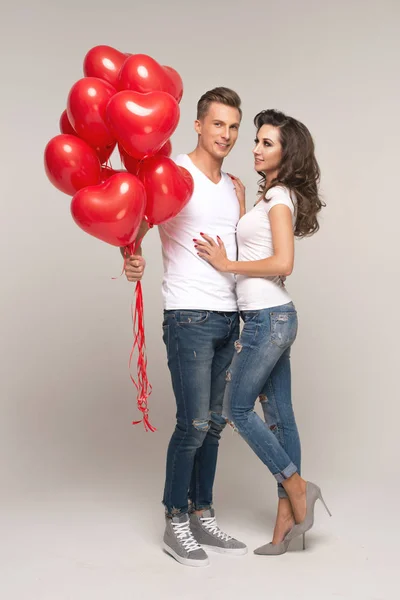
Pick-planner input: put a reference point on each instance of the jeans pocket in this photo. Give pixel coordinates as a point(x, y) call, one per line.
point(191, 317)
point(283, 328)
point(249, 315)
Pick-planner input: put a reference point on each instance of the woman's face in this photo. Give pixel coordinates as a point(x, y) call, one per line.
point(268, 151)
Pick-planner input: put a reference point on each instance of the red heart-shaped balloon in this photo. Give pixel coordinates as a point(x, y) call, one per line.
point(103, 153)
point(166, 149)
point(176, 83)
point(132, 164)
point(86, 109)
point(65, 125)
point(107, 172)
point(111, 211)
point(71, 164)
point(105, 63)
point(169, 188)
point(142, 123)
point(141, 73)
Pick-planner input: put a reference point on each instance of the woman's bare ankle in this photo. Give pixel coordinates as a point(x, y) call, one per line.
point(284, 508)
point(295, 486)
point(282, 526)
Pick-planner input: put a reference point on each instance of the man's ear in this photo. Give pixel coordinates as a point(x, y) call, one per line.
point(197, 126)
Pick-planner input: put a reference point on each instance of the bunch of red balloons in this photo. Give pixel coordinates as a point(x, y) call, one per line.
point(128, 101)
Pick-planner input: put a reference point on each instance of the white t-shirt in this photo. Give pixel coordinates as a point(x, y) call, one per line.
point(254, 240)
point(189, 281)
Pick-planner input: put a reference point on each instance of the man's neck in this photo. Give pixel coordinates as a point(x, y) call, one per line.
point(209, 165)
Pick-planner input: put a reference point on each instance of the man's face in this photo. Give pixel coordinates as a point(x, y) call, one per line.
point(218, 129)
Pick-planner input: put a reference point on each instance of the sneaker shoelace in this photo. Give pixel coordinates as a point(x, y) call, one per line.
point(210, 524)
point(185, 536)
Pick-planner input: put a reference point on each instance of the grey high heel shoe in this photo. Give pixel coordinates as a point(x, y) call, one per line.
point(313, 493)
point(277, 549)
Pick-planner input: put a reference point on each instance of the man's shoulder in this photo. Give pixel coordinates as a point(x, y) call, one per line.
point(228, 182)
point(180, 159)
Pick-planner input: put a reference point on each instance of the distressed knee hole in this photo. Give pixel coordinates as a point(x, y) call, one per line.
point(238, 346)
point(233, 426)
point(201, 424)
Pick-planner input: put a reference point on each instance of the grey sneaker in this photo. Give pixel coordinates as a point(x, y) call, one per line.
point(209, 535)
point(180, 543)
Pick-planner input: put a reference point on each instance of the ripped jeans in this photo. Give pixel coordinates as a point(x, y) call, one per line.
point(261, 368)
point(200, 347)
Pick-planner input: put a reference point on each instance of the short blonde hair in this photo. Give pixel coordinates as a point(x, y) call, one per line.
point(222, 95)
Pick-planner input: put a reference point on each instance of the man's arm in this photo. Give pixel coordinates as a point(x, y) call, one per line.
point(135, 264)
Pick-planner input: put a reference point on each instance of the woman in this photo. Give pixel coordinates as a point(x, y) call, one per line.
point(287, 208)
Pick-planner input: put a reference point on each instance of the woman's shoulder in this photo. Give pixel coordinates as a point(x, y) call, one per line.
point(280, 194)
point(278, 190)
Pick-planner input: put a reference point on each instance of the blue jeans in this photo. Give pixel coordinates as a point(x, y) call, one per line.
point(261, 368)
point(200, 347)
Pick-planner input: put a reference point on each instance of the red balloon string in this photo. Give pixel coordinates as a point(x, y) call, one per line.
point(141, 382)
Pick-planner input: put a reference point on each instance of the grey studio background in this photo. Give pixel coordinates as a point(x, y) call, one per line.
point(81, 487)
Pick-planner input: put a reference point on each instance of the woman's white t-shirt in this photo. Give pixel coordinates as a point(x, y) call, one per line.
point(254, 239)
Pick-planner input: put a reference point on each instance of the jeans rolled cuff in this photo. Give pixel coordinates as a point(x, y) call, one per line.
point(196, 507)
point(282, 493)
point(290, 470)
point(172, 511)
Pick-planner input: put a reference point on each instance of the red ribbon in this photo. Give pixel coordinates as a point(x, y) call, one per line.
point(141, 383)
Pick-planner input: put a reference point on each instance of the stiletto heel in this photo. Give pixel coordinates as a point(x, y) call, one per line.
point(313, 493)
point(324, 503)
point(304, 541)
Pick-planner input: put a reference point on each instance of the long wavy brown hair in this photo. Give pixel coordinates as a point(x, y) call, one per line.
point(299, 170)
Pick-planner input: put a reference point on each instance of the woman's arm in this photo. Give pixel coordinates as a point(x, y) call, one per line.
point(281, 263)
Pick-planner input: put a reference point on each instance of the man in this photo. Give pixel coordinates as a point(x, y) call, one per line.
point(201, 324)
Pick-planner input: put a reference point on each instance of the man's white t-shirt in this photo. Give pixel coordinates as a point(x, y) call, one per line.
point(254, 239)
point(189, 281)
